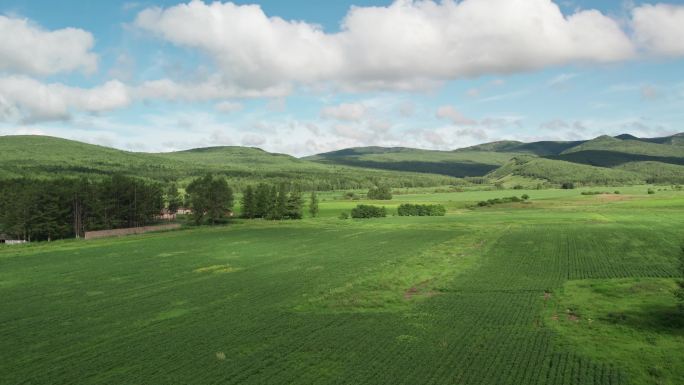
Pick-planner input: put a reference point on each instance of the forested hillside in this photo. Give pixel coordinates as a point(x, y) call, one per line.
point(48, 157)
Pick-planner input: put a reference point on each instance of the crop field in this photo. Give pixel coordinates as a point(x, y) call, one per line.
point(516, 293)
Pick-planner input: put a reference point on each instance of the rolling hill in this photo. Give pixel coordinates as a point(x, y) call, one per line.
point(456, 164)
point(46, 157)
point(621, 159)
point(603, 160)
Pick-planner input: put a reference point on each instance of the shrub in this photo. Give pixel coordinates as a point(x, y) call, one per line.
point(651, 191)
point(368, 211)
point(383, 193)
point(344, 215)
point(408, 209)
point(616, 192)
point(495, 201)
point(518, 187)
point(568, 186)
point(525, 197)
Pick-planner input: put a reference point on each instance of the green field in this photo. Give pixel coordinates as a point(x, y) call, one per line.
point(564, 289)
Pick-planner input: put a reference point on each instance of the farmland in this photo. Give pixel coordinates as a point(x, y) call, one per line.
point(518, 293)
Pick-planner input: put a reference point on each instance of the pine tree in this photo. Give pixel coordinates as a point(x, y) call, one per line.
point(173, 198)
point(279, 199)
point(313, 205)
point(248, 203)
point(294, 205)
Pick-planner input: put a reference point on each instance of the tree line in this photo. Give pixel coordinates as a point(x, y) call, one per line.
point(62, 208)
point(273, 202)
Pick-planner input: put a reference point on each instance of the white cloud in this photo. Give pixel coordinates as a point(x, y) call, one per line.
point(228, 107)
point(455, 116)
point(353, 112)
point(659, 28)
point(253, 140)
point(407, 45)
point(26, 99)
point(26, 48)
point(561, 80)
point(210, 89)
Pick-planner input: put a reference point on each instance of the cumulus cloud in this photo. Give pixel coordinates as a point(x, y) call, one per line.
point(407, 45)
point(28, 100)
point(455, 116)
point(659, 28)
point(228, 107)
point(26, 48)
point(352, 112)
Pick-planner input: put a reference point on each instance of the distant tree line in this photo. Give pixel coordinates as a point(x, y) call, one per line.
point(408, 209)
point(61, 208)
point(273, 202)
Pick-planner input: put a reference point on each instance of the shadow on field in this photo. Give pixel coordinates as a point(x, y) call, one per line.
point(654, 318)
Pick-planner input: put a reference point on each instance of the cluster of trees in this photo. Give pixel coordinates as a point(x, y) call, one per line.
point(273, 202)
point(62, 208)
point(380, 193)
point(408, 209)
point(210, 198)
point(368, 211)
point(496, 201)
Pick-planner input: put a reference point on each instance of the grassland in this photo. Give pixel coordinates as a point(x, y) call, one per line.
point(452, 163)
point(47, 157)
point(476, 297)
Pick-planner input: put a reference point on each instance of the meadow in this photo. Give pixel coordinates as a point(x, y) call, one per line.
point(563, 289)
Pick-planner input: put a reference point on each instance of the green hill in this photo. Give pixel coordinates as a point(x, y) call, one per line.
point(630, 146)
point(558, 171)
point(541, 148)
point(451, 163)
point(45, 157)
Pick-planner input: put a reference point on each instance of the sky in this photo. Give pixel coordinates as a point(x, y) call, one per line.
point(303, 77)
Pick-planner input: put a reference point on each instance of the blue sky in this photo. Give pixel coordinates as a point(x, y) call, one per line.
point(302, 77)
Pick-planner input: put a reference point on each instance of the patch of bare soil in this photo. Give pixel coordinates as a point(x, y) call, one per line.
point(419, 290)
point(612, 197)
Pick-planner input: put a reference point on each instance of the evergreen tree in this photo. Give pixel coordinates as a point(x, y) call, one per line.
point(313, 205)
point(173, 198)
point(279, 199)
point(249, 204)
point(294, 205)
point(262, 205)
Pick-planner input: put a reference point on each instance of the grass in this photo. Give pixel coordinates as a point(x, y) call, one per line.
point(47, 157)
point(631, 321)
point(399, 300)
point(452, 163)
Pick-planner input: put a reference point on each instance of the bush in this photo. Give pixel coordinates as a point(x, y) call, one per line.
point(568, 186)
point(496, 201)
point(368, 211)
point(616, 192)
point(518, 187)
point(525, 197)
point(382, 193)
point(651, 191)
point(344, 215)
point(408, 209)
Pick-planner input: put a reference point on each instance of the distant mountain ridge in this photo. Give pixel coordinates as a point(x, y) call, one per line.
point(487, 159)
point(605, 159)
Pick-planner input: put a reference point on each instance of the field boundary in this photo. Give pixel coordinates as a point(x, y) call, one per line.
point(129, 231)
